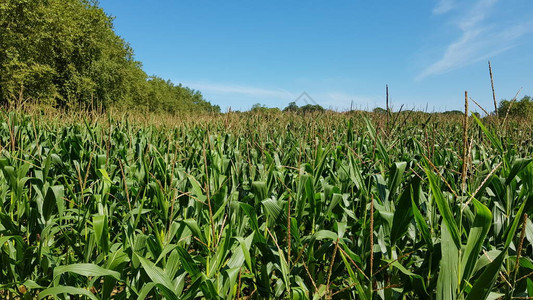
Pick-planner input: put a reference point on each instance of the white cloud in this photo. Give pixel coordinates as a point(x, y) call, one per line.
point(242, 90)
point(479, 39)
point(443, 6)
point(475, 14)
point(243, 96)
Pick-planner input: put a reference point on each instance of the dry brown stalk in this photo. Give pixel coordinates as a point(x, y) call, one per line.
point(371, 235)
point(525, 276)
point(438, 173)
point(310, 277)
point(391, 262)
point(344, 289)
point(207, 192)
point(519, 250)
point(469, 154)
point(353, 263)
point(483, 183)
point(238, 296)
point(479, 106)
point(493, 93)
point(331, 264)
point(500, 272)
point(289, 232)
point(510, 105)
point(221, 228)
point(416, 174)
point(300, 253)
point(465, 144)
point(387, 103)
point(126, 185)
point(387, 287)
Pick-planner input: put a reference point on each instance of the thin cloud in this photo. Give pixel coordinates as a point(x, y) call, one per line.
point(476, 14)
point(443, 6)
point(242, 90)
point(478, 40)
point(336, 100)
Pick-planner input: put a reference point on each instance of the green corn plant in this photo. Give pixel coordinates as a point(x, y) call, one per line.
point(263, 206)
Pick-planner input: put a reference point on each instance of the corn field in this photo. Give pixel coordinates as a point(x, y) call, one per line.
point(265, 206)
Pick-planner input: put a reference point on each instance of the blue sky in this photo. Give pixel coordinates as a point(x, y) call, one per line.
point(238, 53)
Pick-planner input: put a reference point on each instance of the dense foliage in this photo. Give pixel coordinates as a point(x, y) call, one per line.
point(305, 109)
point(65, 53)
point(265, 206)
point(258, 108)
point(522, 108)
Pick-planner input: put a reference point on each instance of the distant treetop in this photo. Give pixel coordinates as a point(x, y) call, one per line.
point(308, 108)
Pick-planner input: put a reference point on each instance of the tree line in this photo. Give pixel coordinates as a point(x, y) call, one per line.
point(292, 107)
point(522, 108)
point(65, 53)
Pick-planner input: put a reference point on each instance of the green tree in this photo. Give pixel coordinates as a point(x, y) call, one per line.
point(310, 108)
point(522, 108)
point(291, 107)
point(259, 108)
point(66, 53)
point(379, 110)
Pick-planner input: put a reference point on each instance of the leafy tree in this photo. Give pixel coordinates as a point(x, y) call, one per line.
point(379, 110)
point(65, 53)
point(308, 108)
point(259, 108)
point(291, 107)
point(522, 108)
